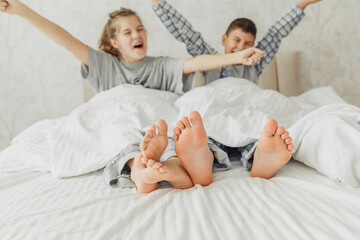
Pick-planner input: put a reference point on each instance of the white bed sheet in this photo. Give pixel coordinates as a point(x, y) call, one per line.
point(298, 203)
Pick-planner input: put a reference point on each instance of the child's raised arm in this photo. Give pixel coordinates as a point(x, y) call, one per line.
point(50, 29)
point(248, 56)
point(181, 29)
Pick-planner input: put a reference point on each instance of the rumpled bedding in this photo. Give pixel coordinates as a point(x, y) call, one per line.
point(234, 112)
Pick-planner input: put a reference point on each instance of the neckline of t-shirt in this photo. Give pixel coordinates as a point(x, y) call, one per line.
point(134, 64)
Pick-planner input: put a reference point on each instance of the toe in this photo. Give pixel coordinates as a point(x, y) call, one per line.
point(290, 147)
point(144, 160)
point(157, 165)
point(137, 161)
point(162, 127)
point(270, 128)
point(280, 130)
point(195, 118)
point(180, 125)
point(176, 137)
point(149, 134)
point(163, 169)
point(151, 163)
point(177, 131)
point(145, 141)
point(288, 140)
point(152, 127)
point(186, 122)
point(143, 145)
point(285, 135)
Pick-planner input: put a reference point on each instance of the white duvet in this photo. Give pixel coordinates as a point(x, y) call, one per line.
point(325, 128)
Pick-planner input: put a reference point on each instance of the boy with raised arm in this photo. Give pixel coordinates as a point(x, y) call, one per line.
point(240, 35)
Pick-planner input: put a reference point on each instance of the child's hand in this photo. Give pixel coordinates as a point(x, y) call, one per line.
point(154, 2)
point(10, 6)
point(304, 3)
point(250, 56)
point(313, 1)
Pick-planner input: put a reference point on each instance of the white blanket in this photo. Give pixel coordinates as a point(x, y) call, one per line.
point(234, 112)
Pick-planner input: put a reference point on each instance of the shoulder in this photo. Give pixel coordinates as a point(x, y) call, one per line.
point(101, 55)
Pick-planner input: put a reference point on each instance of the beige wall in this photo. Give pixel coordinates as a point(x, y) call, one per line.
point(39, 79)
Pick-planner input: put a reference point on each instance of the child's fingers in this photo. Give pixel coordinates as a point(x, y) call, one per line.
point(259, 56)
point(251, 55)
point(254, 59)
point(259, 51)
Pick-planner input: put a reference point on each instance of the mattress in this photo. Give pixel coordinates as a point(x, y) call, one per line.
point(298, 203)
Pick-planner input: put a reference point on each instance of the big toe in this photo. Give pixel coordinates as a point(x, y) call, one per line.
point(270, 128)
point(195, 118)
point(162, 127)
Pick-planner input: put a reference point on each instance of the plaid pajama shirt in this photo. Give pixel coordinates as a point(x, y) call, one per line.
point(183, 31)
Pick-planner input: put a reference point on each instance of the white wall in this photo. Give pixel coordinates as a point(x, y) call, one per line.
point(39, 79)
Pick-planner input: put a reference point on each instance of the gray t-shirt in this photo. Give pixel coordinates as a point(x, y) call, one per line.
point(106, 71)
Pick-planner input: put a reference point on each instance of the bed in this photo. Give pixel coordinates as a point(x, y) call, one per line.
point(316, 196)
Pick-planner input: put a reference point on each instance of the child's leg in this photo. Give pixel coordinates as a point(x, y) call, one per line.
point(273, 151)
point(192, 148)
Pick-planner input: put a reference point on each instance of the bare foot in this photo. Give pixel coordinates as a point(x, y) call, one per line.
point(171, 171)
point(273, 151)
point(192, 149)
point(153, 145)
point(145, 178)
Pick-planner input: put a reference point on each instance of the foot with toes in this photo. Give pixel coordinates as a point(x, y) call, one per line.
point(273, 151)
point(147, 171)
point(192, 149)
point(171, 171)
point(154, 143)
point(145, 178)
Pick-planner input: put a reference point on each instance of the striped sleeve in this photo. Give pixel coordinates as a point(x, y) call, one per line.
point(181, 29)
point(272, 40)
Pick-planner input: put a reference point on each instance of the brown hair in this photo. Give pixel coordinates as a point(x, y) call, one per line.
point(244, 24)
point(111, 28)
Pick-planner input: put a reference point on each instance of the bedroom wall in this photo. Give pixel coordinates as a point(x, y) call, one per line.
point(42, 80)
